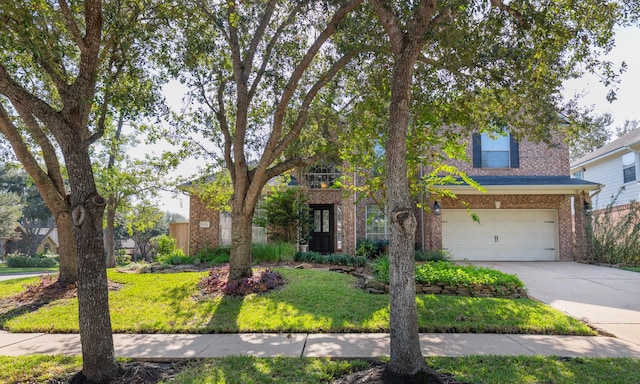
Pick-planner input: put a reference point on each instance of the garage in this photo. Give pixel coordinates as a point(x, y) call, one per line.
point(501, 234)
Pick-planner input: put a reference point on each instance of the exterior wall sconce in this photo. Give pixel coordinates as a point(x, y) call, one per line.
point(587, 207)
point(436, 208)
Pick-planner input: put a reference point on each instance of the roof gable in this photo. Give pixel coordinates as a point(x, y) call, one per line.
point(631, 138)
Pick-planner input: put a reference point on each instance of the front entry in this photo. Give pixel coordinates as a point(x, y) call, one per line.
point(322, 229)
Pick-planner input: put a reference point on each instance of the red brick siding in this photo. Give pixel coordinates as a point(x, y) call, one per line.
point(536, 159)
point(202, 237)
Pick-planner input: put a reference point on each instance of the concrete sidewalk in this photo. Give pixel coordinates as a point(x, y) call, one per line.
point(159, 347)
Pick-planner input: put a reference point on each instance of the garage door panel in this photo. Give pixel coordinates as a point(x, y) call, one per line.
point(501, 235)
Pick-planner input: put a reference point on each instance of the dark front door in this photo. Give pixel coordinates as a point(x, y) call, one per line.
point(322, 228)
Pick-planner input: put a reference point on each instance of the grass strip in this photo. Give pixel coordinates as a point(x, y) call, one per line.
point(246, 369)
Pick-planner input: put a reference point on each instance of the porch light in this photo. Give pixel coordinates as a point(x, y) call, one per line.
point(587, 207)
point(436, 208)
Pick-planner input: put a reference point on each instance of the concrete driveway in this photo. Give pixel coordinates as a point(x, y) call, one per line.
point(606, 298)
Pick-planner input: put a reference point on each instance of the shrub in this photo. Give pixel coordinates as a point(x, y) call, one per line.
point(168, 251)
point(438, 255)
point(615, 236)
point(447, 273)
point(20, 261)
point(272, 252)
point(214, 255)
point(217, 282)
point(366, 248)
point(122, 256)
point(339, 259)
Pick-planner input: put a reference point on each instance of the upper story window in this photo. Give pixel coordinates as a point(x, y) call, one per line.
point(629, 167)
point(321, 176)
point(495, 151)
point(579, 175)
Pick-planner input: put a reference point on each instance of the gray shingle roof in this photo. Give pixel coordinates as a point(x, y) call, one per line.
point(487, 181)
point(621, 142)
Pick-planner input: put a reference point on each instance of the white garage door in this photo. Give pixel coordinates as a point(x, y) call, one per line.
point(501, 235)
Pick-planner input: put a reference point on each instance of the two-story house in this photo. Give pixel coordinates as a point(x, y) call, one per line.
point(615, 167)
point(525, 213)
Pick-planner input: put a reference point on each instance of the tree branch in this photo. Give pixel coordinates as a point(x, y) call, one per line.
point(304, 108)
point(296, 76)
point(390, 23)
point(269, 49)
point(508, 9)
point(71, 24)
point(26, 158)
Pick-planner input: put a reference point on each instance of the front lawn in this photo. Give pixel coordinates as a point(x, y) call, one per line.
point(312, 301)
point(248, 370)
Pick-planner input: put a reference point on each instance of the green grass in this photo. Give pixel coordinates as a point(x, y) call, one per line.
point(15, 286)
point(312, 301)
point(633, 269)
point(4, 270)
point(236, 369)
point(37, 368)
point(540, 369)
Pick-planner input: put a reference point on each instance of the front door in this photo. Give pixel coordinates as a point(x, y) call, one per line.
point(322, 228)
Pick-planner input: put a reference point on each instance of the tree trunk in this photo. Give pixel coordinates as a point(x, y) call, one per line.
point(110, 234)
point(406, 356)
point(98, 356)
point(241, 237)
point(67, 250)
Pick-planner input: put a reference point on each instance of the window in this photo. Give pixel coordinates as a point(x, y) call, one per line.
point(321, 176)
point(629, 167)
point(579, 175)
point(376, 223)
point(495, 151)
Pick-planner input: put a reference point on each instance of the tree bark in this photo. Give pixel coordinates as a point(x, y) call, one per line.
point(67, 249)
point(406, 356)
point(98, 354)
point(109, 235)
point(241, 239)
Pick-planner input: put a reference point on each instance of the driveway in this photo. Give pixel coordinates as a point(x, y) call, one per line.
point(12, 276)
point(606, 298)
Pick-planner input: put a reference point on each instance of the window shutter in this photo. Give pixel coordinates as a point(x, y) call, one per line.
point(477, 150)
point(514, 152)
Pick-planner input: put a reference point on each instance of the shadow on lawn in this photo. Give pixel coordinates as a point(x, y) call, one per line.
point(37, 295)
point(310, 301)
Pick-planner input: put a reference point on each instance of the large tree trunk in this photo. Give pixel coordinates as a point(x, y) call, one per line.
point(98, 356)
point(406, 357)
point(241, 238)
point(109, 235)
point(67, 250)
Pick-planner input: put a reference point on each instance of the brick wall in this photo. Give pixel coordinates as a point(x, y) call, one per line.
point(536, 159)
point(204, 225)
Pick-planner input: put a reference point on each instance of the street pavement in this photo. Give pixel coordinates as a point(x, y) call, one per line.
point(606, 298)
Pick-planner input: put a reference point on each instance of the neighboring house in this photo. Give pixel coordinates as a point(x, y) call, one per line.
point(525, 214)
point(615, 166)
point(47, 239)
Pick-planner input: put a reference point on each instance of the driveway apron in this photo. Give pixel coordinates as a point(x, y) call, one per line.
point(606, 298)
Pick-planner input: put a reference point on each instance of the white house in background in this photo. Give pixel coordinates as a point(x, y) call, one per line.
point(615, 167)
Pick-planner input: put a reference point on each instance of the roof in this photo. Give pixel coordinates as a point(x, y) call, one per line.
point(520, 185)
point(624, 141)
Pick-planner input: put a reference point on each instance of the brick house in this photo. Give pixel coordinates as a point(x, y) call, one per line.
point(525, 213)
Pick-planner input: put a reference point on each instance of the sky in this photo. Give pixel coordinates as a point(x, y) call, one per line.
point(625, 107)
